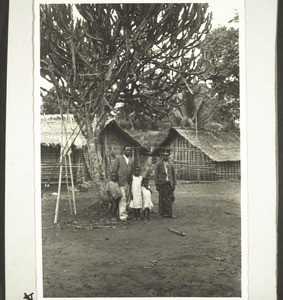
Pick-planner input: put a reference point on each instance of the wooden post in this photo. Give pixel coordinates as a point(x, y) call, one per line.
point(59, 189)
point(66, 146)
point(67, 183)
point(68, 161)
point(72, 182)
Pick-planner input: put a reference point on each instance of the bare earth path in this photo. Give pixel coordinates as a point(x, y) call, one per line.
point(88, 256)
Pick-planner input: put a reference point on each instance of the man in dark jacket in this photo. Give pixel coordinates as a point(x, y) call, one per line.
point(123, 166)
point(165, 181)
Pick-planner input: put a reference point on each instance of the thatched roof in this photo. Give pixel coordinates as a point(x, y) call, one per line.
point(51, 131)
point(218, 145)
point(150, 138)
point(112, 125)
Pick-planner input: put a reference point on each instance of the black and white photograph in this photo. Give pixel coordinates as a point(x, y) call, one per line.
point(140, 149)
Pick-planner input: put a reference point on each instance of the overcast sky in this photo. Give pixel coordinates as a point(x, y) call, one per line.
point(223, 11)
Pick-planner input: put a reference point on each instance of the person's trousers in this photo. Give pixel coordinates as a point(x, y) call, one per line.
point(166, 197)
point(123, 203)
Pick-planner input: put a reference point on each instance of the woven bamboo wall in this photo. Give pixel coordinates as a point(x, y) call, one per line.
point(191, 163)
point(50, 157)
point(228, 170)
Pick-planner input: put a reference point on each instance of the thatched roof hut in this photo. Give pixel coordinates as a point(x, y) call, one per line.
point(111, 143)
point(203, 155)
point(51, 131)
point(116, 137)
point(52, 141)
point(218, 145)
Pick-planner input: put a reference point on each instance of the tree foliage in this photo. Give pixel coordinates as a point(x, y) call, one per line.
point(49, 103)
point(214, 97)
point(138, 54)
point(221, 48)
point(123, 52)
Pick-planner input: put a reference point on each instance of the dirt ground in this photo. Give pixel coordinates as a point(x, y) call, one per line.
point(87, 255)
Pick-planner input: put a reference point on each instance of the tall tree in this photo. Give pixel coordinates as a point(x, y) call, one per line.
point(221, 48)
point(139, 54)
point(214, 98)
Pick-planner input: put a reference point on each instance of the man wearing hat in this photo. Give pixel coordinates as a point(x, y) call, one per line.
point(165, 181)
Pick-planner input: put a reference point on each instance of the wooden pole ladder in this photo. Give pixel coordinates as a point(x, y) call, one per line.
point(68, 164)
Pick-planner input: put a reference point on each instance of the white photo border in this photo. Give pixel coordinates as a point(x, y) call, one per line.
point(258, 130)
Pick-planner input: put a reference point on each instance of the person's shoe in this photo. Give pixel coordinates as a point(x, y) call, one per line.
point(173, 217)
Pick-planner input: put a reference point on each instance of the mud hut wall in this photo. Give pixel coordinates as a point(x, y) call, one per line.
point(50, 164)
point(190, 162)
point(228, 170)
point(114, 143)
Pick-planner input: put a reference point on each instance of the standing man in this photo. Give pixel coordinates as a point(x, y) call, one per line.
point(165, 181)
point(123, 166)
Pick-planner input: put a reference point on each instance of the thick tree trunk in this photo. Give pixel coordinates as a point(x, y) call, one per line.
point(94, 162)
